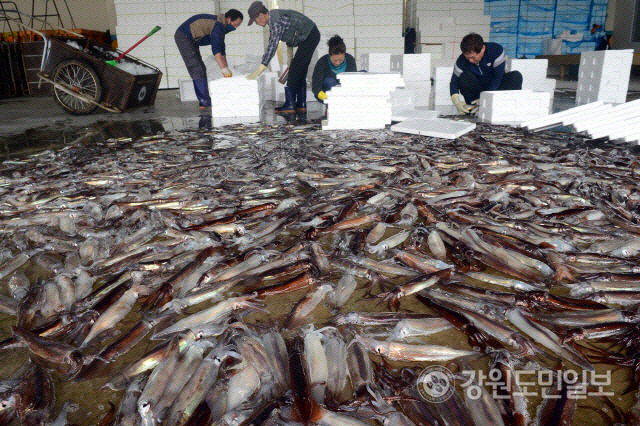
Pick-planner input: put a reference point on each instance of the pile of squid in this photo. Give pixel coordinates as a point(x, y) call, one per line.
point(282, 275)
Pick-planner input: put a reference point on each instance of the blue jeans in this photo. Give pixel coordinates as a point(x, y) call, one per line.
point(328, 83)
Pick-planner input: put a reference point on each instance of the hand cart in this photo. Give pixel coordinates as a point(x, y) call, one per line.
point(83, 81)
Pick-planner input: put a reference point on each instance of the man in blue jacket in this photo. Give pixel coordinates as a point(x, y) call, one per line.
point(203, 30)
point(480, 67)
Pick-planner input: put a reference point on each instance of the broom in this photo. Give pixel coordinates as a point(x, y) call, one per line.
point(152, 32)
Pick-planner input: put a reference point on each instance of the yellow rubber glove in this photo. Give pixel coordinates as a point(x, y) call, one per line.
point(226, 72)
point(256, 73)
point(289, 54)
point(322, 96)
point(460, 105)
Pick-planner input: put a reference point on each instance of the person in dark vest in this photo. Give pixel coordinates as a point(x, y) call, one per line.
point(479, 68)
point(329, 66)
point(296, 30)
point(203, 30)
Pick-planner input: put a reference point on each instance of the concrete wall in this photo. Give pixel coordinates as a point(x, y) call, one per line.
point(99, 15)
point(625, 11)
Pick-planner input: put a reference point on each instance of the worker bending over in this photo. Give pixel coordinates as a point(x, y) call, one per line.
point(296, 30)
point(329, 66)
point(202, 30)
point(479, 68)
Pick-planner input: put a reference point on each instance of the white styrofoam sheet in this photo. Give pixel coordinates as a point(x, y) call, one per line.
point(403, 113)
point(439, 127)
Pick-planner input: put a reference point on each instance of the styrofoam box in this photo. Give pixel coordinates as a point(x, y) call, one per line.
point(396, 63)
point(441, 85)
point(438, 127)
point(416, 67)
point(187, 91)
point(604, 75)
point(390, 43)
point(376, 62)
point(513, 106)
point(394, 18)
point(532, 70)
point(403, 97)
point(378, 31)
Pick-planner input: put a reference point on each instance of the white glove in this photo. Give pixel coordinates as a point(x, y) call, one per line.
point(256, 73)
point(226, 72)
point(289, 55)
point(460, 105)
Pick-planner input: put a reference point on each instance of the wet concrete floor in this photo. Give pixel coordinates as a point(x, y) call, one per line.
point(32, 124)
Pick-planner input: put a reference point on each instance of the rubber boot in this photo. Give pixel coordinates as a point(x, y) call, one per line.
point(289, 101)
point(202, 92)
point(301, 99)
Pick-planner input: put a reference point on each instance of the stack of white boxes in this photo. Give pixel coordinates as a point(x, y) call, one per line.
point(534, 74)
point(416, 72)
point(513, 107)
point(441, 96)
point(604, 76)
point(378, 26)
point(441, 25)
point(134, 20)
point(236, 99)
point(361, 101)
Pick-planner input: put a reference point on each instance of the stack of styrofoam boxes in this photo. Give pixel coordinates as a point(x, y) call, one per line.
point(534, 74)
point(604, 76)
point(361, 101)
point(403, 99)
point(378, 26)
point(441, 96)
point(441, 25)
point(416, 72)
point(134, 20)
point(238, 100)
point(513, 106)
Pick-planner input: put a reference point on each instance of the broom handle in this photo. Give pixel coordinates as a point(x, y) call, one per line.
point(152, 32)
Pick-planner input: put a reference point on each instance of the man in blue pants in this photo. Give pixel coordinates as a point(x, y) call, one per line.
point(479, 68)
point(203, 30)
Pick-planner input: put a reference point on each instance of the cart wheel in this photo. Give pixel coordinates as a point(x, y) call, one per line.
point(79, 77)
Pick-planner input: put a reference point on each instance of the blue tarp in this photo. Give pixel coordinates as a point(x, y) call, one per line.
point(522, 26)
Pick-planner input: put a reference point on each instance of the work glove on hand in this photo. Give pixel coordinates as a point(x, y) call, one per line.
point(475, 106)
point(460, 105)
point(322, 96)
point(289, 55)
point(226, 72)
point(257, 72)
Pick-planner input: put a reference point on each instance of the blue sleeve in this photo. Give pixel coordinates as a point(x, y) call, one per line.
point(217, 39)
point(458, 67)
point(499, 63)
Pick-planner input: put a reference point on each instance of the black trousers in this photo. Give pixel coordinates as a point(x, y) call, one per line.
point(301, 60)
point(471, 86)
point(190, 53)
